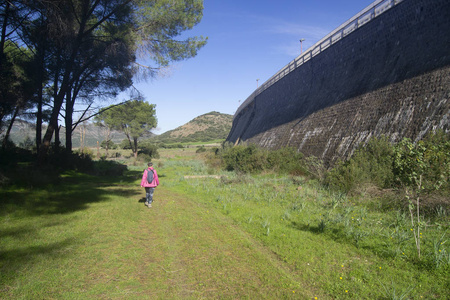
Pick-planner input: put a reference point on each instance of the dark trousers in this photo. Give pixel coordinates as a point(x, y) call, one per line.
point(149, 194)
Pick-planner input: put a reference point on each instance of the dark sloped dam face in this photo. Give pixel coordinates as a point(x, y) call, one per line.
point(389, 77)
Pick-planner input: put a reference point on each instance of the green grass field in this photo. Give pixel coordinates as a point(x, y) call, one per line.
point(238, 237)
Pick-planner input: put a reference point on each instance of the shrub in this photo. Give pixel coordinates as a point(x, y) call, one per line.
point(21, 169)
point(116, 155)
point(370, 164)
point(62, 160)
point(83, 152)
point(316, 168)
point(427, 161)
point(12, 160)
point(342, 177)
point(246, 159)
point(252, 159)
point(110, 145)
point(125, 144)
point(142, 157)
point(287, 160)
point(200, 149)
point(8, 145)
point(151, 150)
point(108, 168)
point(214, 150)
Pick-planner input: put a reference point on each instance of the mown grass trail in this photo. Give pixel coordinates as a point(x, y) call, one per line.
point(92, 238)
point(196, 253)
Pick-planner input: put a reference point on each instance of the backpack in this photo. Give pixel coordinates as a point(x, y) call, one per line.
point(149, 175)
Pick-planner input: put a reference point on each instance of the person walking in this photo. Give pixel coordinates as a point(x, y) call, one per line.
point(149, 181)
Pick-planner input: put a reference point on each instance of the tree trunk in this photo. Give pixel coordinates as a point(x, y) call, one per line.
point(41, 55)
point(2, 55)
point(59, 98)
point(52, 126)
point(131, 144)
point(8, 131)
point(39, 118)
point(81, 139)
point(135, 150)
point(68, 122)
point(3, 37)
point(57, 139)
point(108, 138)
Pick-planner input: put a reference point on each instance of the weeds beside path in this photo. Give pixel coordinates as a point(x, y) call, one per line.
point(87, 239)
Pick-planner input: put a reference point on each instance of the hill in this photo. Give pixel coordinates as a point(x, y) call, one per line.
point(208, 127)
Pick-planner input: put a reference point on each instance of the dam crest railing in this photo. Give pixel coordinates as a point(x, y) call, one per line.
point(363, 17)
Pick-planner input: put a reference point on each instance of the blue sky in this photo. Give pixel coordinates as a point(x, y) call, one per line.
point(247, 40)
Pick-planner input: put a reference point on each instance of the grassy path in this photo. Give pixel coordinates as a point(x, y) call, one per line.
point(194, 253)
point(88, 239)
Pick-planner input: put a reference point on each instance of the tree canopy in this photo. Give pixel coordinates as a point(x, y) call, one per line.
point(134, 118)
point(86, 50)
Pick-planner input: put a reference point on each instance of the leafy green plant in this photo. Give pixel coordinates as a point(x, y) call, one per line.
point(440, 254)
point(253, 159)
point(149, 149)
point(394, 294)
point(427, 161)
point(286, 160)
point(421, 168)
point(370, 164)
point(125, 144)
point(246, 159)
point(358, 236)
point(316, 167)
point(322, 225)
point(108, 145)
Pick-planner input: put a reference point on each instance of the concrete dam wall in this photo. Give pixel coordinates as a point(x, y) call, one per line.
point(390, 77)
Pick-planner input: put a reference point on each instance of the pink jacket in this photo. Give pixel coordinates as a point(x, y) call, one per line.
point(155, 181)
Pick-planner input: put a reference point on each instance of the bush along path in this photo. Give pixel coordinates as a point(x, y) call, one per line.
point(93, 238)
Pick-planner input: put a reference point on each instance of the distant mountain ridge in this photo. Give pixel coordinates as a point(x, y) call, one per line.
point(204, 128)
point(92, 133)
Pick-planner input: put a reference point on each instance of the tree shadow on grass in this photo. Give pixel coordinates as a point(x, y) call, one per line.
point(23, 245)
point(15, 262)
point(22, 241)
point(70, 193)
point(16, 256)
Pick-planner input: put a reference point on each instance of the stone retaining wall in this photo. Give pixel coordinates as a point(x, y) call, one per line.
point(390, 77)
